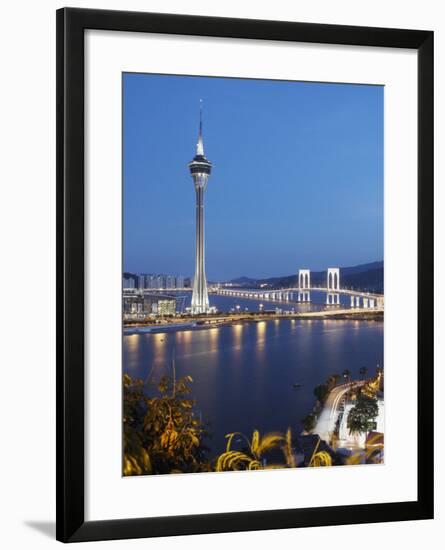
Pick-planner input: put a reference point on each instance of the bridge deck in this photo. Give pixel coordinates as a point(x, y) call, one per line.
point(246, 293)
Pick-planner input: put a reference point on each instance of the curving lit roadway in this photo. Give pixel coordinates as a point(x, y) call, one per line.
point(326, 421)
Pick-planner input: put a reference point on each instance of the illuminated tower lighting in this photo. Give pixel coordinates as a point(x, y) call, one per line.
point(200, 169)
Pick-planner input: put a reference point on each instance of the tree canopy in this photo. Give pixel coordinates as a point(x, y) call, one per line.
point(361, 418)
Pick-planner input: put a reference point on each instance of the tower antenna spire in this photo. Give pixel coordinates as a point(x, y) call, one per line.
point(200, 145)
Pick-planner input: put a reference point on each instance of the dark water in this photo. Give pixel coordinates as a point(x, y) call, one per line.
point(243, 374)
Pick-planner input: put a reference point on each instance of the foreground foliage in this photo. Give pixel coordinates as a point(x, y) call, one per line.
point(252, 456)
point(161, 433)
point(260, 453)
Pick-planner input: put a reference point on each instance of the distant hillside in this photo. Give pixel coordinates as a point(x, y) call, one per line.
point(367, 277)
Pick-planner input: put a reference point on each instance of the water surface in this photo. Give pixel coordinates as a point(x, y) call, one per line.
point(244, 374)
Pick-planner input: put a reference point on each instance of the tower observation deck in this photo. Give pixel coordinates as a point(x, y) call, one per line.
point(200, 169)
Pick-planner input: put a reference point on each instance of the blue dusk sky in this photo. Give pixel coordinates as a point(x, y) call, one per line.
point(297, 176)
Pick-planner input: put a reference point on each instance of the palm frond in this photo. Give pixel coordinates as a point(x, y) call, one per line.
point(268, 442)
point(321, 458)
point(232, 460)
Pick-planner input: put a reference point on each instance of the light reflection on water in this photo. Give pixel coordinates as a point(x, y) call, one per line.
point(260, 337)
point(244, 374)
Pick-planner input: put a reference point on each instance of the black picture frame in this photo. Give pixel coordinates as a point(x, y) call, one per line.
point(71, 24)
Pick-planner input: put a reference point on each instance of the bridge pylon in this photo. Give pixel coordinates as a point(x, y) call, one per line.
point(333, 286)
point(304, 285)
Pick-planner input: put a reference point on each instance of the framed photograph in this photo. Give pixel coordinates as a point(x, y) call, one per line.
point(245, 275)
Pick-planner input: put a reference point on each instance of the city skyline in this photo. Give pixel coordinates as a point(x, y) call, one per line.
point(283, 134)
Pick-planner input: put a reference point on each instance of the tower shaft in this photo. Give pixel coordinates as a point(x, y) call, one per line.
point(200, 169)
point(200, 298)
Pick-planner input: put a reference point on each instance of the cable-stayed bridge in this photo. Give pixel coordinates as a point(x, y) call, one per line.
point(302, 292)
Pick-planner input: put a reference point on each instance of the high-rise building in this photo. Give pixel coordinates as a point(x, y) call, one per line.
point(128, 282)
point(179, 281)
point(158, 282)
point(141, 281)
point(170, 281)
point(200, 169)
point(151, 281)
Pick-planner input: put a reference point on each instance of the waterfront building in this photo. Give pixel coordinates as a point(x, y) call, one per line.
point(133, 306)
point(137, 305)
point(200, 169)
point(150, 304)
point(166, 307)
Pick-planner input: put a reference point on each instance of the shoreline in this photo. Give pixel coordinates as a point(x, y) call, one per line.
point(207, 323)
